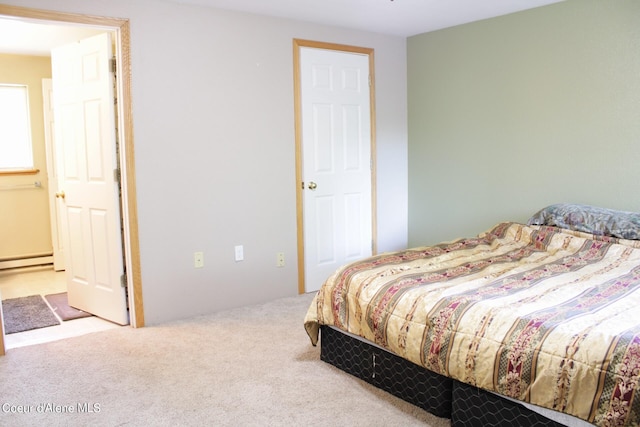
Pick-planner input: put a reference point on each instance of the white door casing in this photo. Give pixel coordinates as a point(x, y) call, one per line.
point(86, 155)
point(336, 160)
point(52, 176)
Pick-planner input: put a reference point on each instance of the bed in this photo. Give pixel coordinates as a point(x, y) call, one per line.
point(537, 320)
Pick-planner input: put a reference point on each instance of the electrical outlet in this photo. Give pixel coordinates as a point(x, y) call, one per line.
point(280, 259)
point(239, 253)
point(198, 259)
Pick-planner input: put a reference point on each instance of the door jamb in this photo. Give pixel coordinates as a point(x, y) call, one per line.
point(297, 44)
point(125, 134)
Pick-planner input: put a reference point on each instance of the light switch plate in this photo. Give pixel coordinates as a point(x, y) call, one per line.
point(239, 252)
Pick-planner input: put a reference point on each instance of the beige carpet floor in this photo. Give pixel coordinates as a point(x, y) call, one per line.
point(251, 366)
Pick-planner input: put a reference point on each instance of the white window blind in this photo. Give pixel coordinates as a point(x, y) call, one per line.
point(15, 129)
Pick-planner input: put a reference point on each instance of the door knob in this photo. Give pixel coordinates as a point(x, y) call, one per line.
point(60, 195)
point(312, 186)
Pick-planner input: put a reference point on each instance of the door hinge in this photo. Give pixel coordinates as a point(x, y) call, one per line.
point(113, 65)
point(117, 175)
point(123, 280)
point(369, 80)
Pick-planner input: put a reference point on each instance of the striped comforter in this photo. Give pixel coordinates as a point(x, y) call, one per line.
point(536, 313)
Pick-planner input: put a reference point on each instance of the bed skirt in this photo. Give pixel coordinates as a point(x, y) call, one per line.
point(443, 397)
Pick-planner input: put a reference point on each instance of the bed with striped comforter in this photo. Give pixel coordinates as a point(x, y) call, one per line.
point(537, 313)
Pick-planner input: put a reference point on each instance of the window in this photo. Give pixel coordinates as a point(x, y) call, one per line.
point(15, 129)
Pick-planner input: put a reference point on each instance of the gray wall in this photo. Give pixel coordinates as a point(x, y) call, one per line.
point(510, 114)
point(214, 148)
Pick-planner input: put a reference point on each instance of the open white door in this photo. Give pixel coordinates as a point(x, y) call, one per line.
point(86, 154)
point(336, 160)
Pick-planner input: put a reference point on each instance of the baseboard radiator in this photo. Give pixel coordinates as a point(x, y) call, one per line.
point(26, 261)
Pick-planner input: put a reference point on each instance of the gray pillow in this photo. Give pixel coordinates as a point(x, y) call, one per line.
point(590, 219)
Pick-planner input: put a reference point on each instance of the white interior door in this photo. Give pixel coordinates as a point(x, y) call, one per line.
point(84, 112)
point(336, 160)
point(52, 176)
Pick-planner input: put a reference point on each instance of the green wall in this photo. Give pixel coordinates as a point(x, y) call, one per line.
point(510, 114)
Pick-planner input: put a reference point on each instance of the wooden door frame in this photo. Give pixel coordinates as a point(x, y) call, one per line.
point(297, 45)
point(125, 133)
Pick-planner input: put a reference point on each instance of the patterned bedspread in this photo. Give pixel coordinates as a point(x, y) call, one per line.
point(536, 313)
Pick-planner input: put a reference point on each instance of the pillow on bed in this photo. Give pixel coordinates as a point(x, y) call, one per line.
point(590, 219)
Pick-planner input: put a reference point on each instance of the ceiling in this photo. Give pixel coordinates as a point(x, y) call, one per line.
point(393, 17)
point(27, 38)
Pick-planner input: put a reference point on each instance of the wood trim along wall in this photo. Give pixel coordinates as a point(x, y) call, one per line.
point(2, 349)
point(129, 197)
point(297, 44)
point(19, 172)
